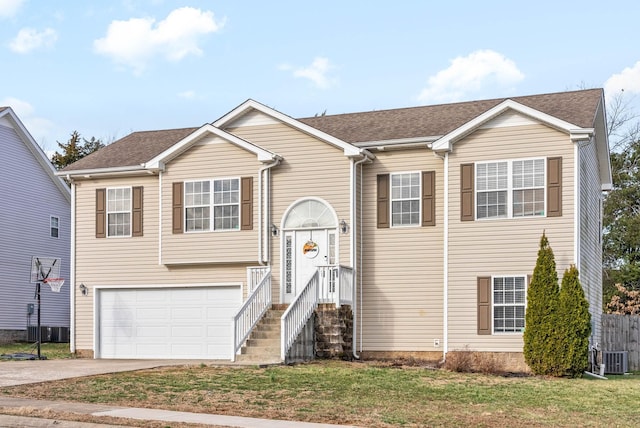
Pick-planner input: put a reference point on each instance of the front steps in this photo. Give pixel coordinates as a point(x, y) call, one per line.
point(263, 345)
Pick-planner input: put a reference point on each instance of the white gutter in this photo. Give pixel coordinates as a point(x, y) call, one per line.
point(262, 240)
point(397, 141)
point(100, 172)
point(72, 271)
point(355, 226)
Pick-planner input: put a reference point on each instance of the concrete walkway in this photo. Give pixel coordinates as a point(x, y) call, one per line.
point(34, 371)
point(152, 415)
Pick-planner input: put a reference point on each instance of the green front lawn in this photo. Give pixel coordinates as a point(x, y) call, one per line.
point(49, 350)
point(370, 394)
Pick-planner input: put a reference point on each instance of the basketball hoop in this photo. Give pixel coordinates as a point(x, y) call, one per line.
point(55, 284)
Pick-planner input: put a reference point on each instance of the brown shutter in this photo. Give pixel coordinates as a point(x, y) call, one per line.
point(428, 198)
point(484, 305)
point(136, 221)
point(383, 201)
point(177, 208)
point(246, 206)
point(466, 192)
point(101, 213)
point(554, 187)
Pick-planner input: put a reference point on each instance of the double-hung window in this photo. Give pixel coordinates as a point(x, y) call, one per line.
point(212, 205)
point(405, 199)
point(509, 303)
point(197, 201)
point(528, 187)
point(54, 226)
point(226, 204)
point(507, 189)
point(119, 211)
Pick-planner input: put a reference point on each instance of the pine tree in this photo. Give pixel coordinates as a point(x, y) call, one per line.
point(574, 324)
point(541, 347)
point(74, 150)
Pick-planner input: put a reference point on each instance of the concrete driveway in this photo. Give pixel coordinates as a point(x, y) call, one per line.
point(34, 371)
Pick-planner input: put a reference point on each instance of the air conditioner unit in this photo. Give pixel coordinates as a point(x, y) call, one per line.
point(48, 334)
point(615, 362)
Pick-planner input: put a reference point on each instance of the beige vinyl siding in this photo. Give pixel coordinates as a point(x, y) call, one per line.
point(402, 266)
point(590, 234)
point(310, 168)
point(212, 158)
point(128, 261)
point(502, 246)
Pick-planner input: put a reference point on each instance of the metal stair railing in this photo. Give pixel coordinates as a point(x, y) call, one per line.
point(298, 313)
point(247, 317)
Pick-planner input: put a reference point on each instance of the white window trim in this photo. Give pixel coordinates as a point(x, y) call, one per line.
point(493, 303)
point(186, 207)
point(212, 205)
point(509, 189)
point(107, 212)
point(51, 226)
point(391, 200)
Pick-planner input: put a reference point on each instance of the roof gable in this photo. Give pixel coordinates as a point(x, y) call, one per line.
point(249, 106)
point(446, 141)
point(7, 115)
point(191, 139)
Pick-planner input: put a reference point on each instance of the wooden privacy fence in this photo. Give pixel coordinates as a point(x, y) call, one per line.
point(622, 333)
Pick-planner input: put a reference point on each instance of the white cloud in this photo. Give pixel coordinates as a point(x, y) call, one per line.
point(187, 95)
point(317, 72)
point(9, 8)
point(478, 70)
point(628, 80)
point(135, 42)
point(38, 127)
point(29, 39)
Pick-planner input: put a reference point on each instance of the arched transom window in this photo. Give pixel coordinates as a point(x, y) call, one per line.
point(310, 214)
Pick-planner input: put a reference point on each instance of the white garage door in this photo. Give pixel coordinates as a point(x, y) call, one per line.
point(190, 322)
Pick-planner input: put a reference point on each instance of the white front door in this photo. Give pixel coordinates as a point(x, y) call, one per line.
point(304, 251)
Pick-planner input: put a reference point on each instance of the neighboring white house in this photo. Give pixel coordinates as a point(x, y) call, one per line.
point(34, 221)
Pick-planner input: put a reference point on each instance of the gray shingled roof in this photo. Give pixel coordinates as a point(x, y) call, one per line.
point(576, 107)
point(134, 149)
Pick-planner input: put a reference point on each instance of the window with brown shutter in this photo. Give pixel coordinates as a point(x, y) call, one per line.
point(466, 192)
point(429, 198)
point(101, 213)
point(136, 223)
point(246, 208)
point(484, 305)
point(383, 201)
point(176, 205)
point(554, 187)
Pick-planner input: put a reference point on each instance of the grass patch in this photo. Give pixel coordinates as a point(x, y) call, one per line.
point(53, 351)
point(364, 394)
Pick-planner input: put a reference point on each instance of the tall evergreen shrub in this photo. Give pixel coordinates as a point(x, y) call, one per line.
point(574, 324)
point(541, 340)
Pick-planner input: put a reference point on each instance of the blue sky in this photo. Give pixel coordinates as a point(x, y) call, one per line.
point(107, 68)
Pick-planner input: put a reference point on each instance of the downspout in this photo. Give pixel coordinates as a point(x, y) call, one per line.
point(266, 208)
point(72, 270)
point(160, 217)
point(356, 225)
point(445, 258)
point(576, 204)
